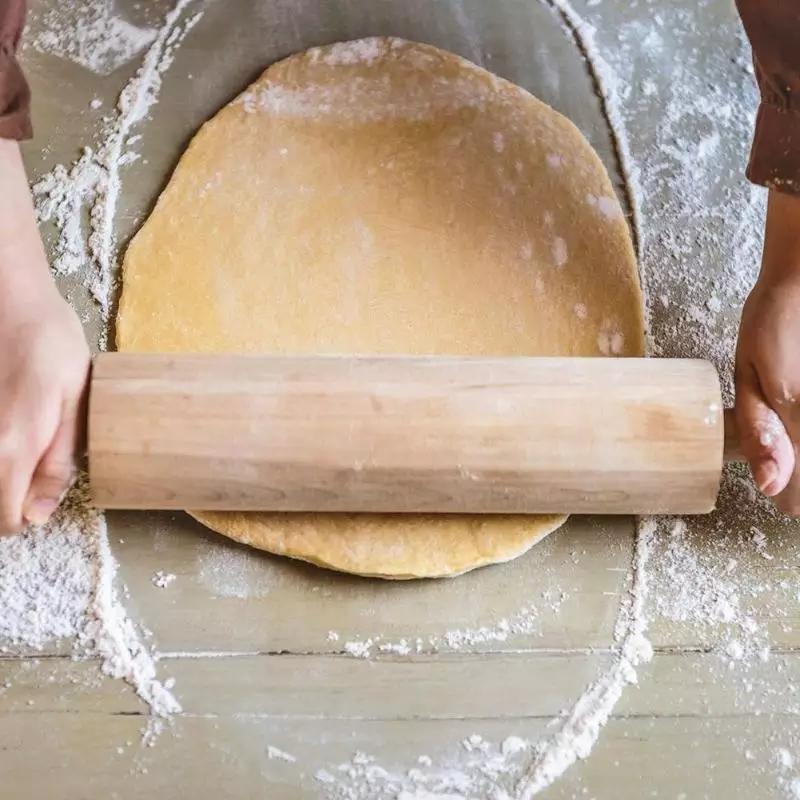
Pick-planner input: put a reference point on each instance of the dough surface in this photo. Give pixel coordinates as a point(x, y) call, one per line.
point(381, 196)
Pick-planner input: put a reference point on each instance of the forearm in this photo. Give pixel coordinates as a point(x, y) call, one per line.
point(24, 273)
point(781, 261)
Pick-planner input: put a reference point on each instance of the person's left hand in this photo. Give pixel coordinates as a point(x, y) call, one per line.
point(768, 361)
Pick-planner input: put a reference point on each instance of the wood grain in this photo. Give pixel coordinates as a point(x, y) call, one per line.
point(403, 434)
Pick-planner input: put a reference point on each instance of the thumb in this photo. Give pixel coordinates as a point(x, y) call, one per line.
point(54, 473)
point(764, 440)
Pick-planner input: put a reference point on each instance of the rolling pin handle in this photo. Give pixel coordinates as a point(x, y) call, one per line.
point(732, 449)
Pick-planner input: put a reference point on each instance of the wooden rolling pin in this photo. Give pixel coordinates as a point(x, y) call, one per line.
point(405, 434)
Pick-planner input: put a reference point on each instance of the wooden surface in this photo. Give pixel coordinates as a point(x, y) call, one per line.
point(246, 636)
point(403, 434)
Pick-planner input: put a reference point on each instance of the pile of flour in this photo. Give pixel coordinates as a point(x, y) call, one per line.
point(56, 582)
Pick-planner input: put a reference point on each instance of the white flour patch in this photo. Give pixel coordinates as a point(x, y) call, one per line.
point(361, 51)
point(90, 33)
point(610, 340)
point(47, 578)
point(275, 753)
point(524, 621)
point(607, 206)
point(162, 580)
point(583, 724)
point(56, 582)
point(93, 181)
point(559, 251)
point(233, 571)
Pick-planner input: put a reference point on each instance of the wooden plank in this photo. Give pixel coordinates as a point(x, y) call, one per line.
point(88, 757)
point(444, 686)
point(733, 576)
point(574, 579)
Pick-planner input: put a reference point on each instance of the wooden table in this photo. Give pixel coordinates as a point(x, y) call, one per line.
point(258, 645)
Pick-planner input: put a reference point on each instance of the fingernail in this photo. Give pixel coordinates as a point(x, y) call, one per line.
point(767, 475)
point(40, 510)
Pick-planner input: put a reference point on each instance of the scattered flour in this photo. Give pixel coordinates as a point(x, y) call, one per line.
point(90, 33)
point(162, 579)
point(274, 753)
point(227, 570)
point(514, 768)
point(525, 621)
point(93, 181)
point(363, 51)
point(56, 582)
point(559, 251)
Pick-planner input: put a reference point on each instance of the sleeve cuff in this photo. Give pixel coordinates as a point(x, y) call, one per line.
point(775, 155)
point(15, 120)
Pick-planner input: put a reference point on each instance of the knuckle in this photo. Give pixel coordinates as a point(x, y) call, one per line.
point(10, 518)
point(56, 471)
point(53, 484)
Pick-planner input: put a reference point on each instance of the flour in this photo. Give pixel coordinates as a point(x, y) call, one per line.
point(591, 711)
point(363, 51)
point(47, 579)
point(162, 579)
point(612, 92)
point(370, 98)
point(229, 571)
point(514, 768)
point(56, 582)
point(93, 181)
point(91, 34)
point(276, 753)
point(525, 621)
point(559, 251)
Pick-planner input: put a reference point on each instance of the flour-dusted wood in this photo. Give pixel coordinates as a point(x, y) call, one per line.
point(405, 434)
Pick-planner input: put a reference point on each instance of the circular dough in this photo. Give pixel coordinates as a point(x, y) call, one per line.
point(382, 196)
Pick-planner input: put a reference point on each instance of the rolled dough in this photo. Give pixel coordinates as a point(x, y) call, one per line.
point(382, 196)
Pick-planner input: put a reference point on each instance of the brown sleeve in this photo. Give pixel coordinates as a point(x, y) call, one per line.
point(774, 30)
point(15, 120)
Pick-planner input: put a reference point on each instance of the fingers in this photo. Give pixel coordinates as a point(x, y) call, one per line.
point(764, 438)
point(784, 399)
point(15, 476)
point(53, 474)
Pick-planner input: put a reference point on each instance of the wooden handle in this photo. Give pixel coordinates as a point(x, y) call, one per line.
point(732, 450)
point(398, 434)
